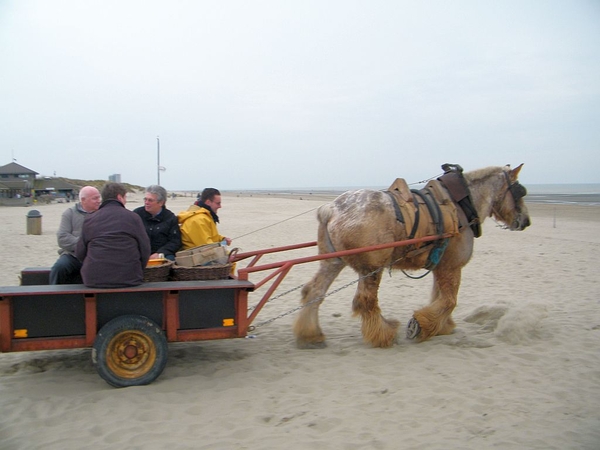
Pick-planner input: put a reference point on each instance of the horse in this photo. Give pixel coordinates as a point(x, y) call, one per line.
point(366, 217)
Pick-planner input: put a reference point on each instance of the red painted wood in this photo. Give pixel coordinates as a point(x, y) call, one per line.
point(21, 345)
point(91, 320)
point(6, 330)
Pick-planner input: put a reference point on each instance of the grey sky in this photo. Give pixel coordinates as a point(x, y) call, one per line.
point(270, 94)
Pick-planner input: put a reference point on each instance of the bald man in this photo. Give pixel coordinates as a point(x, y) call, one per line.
point(67, 267)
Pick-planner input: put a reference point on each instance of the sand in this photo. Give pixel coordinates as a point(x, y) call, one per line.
point(521, 370)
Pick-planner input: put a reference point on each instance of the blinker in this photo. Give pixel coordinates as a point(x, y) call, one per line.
point(518, 191)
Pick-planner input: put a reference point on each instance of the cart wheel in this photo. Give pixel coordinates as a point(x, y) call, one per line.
point(130, 351)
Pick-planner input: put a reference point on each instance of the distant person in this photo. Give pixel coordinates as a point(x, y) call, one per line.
point(66, 268)
point(199, 222)
point(160, 223)
point(114, 247)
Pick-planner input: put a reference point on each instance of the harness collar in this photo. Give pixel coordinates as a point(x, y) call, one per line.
point(454, 182)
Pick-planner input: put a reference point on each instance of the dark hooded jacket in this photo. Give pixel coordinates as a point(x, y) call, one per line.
point(114, 247)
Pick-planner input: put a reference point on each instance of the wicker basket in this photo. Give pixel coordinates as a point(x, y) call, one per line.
point(158, 273)
point(209, 272)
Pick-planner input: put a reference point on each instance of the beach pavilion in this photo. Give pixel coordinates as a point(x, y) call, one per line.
point(16, 184)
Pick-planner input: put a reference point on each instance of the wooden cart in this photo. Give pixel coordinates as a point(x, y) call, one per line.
point(129, 329)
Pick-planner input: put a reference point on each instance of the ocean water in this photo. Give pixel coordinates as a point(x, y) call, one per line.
point(581, 194)
point(571, 189)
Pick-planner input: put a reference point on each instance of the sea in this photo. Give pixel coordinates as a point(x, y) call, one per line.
point(579, 194)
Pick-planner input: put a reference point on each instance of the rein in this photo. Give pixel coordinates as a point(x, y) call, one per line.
point(273, 224)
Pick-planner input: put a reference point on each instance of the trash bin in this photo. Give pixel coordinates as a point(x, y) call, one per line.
point(34, 222)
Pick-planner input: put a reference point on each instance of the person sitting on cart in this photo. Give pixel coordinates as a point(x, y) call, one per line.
point(199, 223)
point(161, 224)
point(114, 247)
point(66, 268)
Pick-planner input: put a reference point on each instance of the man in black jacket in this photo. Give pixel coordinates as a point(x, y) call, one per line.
point(113, 247)
point(160, 223)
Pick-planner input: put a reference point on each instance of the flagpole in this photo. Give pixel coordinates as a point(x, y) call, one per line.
point(158, 159)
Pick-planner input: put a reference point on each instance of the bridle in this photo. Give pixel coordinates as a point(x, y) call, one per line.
point(517, 190)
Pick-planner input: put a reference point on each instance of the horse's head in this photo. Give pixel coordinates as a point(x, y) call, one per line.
point(509, 206)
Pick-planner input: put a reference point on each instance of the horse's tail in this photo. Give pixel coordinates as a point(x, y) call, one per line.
point(324, 214)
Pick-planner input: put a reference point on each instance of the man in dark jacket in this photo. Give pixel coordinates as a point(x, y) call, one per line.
point(114, 247)
point(160, 223)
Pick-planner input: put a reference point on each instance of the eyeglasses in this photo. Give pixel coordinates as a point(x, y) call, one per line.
point(149, 200)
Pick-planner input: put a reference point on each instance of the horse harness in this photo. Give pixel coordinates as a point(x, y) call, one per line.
point(517, 190)
point(433, 211)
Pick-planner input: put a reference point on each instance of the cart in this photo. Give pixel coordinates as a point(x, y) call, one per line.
point(129, 329)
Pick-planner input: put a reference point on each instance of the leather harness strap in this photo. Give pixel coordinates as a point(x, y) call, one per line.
point(437, 247)
point(415, 227)
point(456, 186)
point(433, 207)
point(399, 216)
point(423, 197)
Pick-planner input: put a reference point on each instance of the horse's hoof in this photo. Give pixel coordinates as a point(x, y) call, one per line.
point(412, 328)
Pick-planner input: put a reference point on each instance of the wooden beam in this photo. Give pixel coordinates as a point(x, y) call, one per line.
point(91, 319)
point(6, 329)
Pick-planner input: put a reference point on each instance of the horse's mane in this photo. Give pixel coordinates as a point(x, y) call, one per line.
point(482, 184)
point(478, 175)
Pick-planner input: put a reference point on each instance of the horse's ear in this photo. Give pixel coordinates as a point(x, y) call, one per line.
point(514, 174)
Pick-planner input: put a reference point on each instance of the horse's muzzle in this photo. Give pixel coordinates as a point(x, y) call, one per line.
point(521, 222)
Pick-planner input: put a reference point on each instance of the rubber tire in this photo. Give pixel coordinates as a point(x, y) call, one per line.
point(142, 339)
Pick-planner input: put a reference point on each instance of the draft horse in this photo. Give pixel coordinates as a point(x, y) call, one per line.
point(367, 217)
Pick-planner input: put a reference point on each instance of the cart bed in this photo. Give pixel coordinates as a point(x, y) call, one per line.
point(43, 317)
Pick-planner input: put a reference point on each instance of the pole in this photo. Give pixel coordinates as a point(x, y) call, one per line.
point(158, 159)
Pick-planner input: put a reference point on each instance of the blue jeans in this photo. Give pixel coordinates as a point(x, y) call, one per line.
point(66, 270)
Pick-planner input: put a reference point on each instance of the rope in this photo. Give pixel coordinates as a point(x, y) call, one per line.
point(313, 209)
point(314, 300)
point(318, 299)
point(276, 223)
point(323, 297)
point(427, 180)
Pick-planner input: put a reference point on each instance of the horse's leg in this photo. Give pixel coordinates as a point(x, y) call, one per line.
point(306, 328)
point(436, 318)
point(376, 330)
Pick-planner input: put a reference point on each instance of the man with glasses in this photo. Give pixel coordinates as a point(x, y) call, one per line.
point(199, 222)
point(160, 223)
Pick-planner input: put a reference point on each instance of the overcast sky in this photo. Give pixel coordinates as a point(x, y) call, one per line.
point(272, 94)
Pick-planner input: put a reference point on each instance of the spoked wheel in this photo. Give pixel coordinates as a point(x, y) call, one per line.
point(130, 351)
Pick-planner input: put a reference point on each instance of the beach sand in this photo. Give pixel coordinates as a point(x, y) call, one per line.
point(521, 370)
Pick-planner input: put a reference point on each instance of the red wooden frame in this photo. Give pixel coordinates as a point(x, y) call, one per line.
point(281, 268)
point(170, 297)
point(170, 292)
